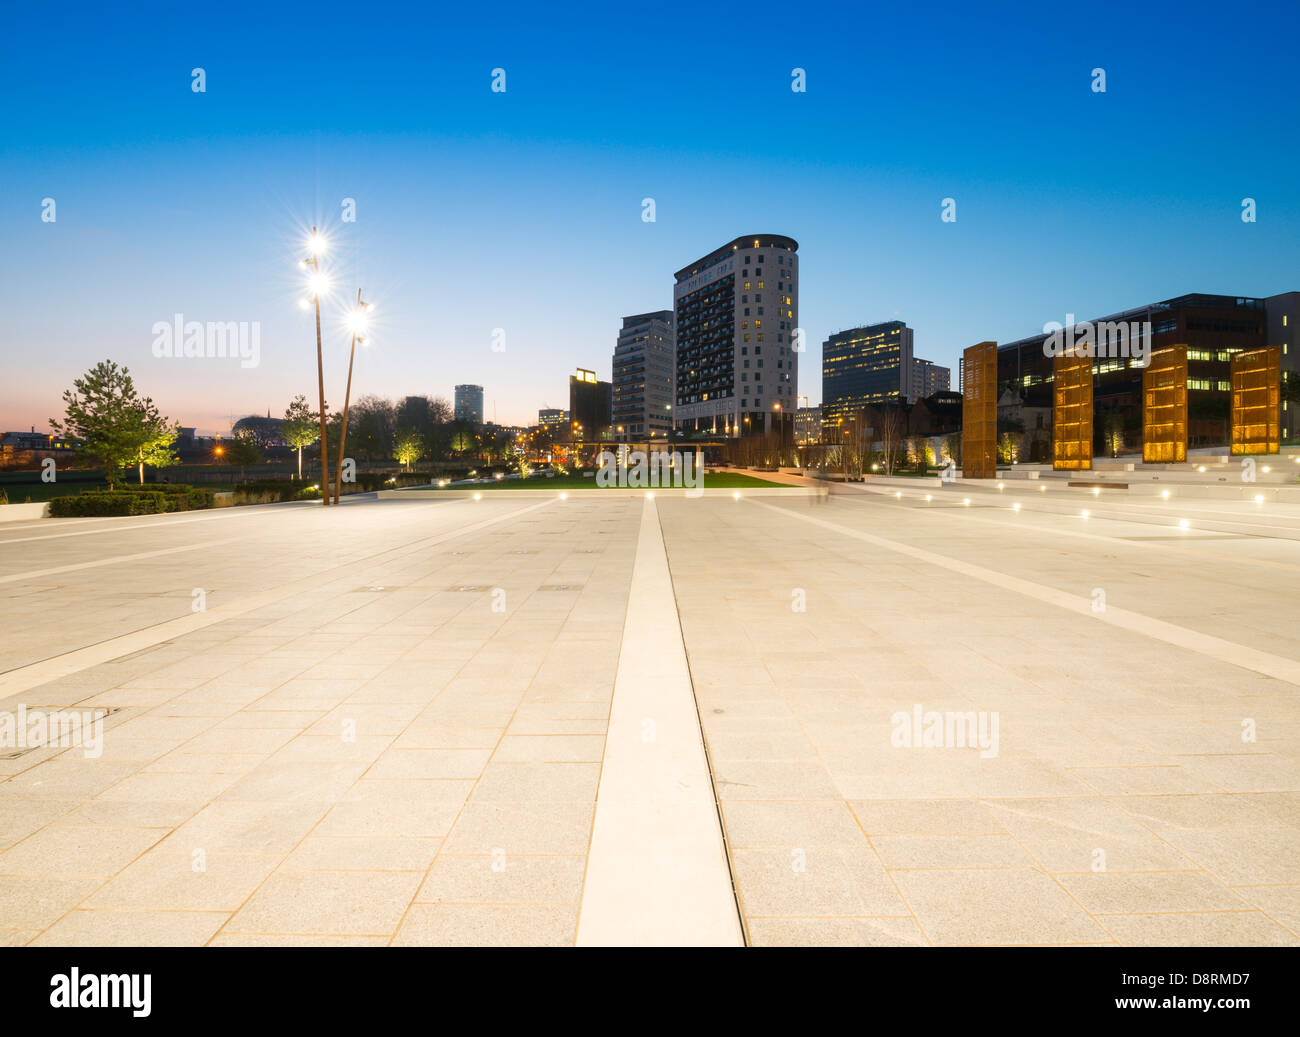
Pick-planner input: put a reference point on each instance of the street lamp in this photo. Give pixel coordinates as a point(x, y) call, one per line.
point(357, 321)
point(319, 284)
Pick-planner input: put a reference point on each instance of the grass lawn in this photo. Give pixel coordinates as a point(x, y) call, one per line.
point(721, 480)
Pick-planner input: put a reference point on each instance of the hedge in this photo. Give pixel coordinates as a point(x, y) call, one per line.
point(273, 491)
point(96, 503)
point(107, 502)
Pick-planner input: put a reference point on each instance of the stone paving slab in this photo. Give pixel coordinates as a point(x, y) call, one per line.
point(402, 747)
point(387, 724)
point(1122, 804)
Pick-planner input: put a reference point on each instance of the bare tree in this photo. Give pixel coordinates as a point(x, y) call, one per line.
point(890, 433)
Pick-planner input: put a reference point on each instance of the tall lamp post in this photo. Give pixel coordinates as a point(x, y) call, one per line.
point(357, 320)
point(319, 283)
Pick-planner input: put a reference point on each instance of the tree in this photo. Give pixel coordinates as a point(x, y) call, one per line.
point(462, 436)
point(1112, 431)
point(440, 411)
point(155, 449)
point(301, 426)
point(855, 445)
point(243, 449)
point(408, 446)
point(266, 431)
point(891, 434)
point(114, 425)
point(371, 425)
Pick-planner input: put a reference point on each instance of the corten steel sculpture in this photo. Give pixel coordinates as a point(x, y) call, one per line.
point(1072, 412)
point(1164, 407)
point(979, 411)
point(1256, 401)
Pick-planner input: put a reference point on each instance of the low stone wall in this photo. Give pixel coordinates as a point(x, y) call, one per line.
point(23, 512)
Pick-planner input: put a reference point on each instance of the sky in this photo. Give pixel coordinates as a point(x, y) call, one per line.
point(522, 210)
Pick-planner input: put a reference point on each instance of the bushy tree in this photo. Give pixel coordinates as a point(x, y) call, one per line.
point(113, 424)
point(243, 449)
point(301, 426)
point(408, 446)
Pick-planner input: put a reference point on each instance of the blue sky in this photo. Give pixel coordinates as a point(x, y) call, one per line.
point(522, 210)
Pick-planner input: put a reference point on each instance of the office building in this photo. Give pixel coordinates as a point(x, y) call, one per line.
point(807, 426)
point(469, 404)
point(1282, 313)
point(735, 311)
point(865, 367)
point(589, 406)
point(927, 378)
point(552, 418)
point(643, 377)
point(1213, 327)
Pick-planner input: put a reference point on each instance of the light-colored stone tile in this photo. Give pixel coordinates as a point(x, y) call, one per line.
point(68, 851)
point(396, 809)
point(37, 901)
point(1280, 903)
point(926, 817)
point(296, 940)
point(487, 925)
point(785, 825)
point(1150, 892)
point(1243, 857)
point(950, 851)
point(82, 928)
point(560, 826)
point(835, 932)
point(429, 763)
point(361, 854)
point(227, 826)
point(19, 818)
point(550, 749)
point(169, 881)
point(355, 903)
point(1229, 929)
point(814, 882)
point(995, 907)
point(1195, 812)
point(273, 782)
point(504, 879)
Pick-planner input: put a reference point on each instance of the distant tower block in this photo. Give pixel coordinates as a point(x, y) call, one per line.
point(1072, 412)
point(1164, 407)
point(979, 411)
point(1256, 401)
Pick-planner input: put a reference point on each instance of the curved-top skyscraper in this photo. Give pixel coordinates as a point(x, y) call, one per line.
point(736, 310)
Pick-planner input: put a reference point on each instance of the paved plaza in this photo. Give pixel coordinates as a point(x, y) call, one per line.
point(614, 718)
